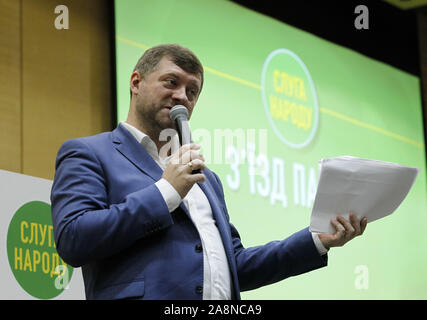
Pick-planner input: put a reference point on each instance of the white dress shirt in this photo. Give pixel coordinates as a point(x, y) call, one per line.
point(216, 272)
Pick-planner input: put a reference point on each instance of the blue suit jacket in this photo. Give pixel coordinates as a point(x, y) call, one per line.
point(110, 219)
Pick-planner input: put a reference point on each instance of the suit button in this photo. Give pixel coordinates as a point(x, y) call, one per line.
point(199, 289)
point(198, 248)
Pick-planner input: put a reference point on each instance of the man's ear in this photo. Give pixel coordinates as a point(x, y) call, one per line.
point(135, 82)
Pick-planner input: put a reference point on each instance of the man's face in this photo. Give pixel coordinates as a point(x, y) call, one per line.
point(166, 86)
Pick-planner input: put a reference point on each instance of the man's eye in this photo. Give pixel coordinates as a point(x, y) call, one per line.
point(171, 82)
point(191, 94)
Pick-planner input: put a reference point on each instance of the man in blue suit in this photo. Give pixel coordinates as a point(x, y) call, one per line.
point(127, 208)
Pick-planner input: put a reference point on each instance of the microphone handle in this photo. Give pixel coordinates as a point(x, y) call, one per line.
point(184, 135)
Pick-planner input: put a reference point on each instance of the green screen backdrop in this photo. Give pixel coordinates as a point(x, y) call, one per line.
point(275, 101)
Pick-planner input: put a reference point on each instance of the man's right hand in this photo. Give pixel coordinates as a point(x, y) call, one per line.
point(178, 172)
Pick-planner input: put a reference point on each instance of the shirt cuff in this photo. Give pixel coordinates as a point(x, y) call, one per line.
point(170, 195)
point(320, 247)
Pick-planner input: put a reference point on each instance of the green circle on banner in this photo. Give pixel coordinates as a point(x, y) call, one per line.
point(33, 259)
point(289, 98)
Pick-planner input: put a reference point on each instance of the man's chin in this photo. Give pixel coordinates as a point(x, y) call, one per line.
point(167, 125)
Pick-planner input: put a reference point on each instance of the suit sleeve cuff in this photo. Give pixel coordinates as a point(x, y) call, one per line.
point(170, 195)
point(320, 247)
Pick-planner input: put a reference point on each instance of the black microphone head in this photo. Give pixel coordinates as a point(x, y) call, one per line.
point(178, 111)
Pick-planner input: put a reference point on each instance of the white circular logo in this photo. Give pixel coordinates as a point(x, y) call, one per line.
point(289, 98)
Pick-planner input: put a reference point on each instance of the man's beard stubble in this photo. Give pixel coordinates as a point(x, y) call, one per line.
point(147, 117)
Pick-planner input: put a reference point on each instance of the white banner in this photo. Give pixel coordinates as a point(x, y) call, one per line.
point(30, 267)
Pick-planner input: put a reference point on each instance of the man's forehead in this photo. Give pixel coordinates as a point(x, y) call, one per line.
point(166, 65)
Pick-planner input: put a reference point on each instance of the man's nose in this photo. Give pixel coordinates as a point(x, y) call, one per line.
point(179, 96)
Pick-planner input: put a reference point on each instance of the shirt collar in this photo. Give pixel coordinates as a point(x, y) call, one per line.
point(149, 144)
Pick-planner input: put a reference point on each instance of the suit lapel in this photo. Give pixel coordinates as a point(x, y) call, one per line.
point(127, 145)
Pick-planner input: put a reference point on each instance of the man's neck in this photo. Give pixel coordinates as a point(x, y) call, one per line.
point(152, 133)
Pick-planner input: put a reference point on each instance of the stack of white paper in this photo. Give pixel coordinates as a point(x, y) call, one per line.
point(369, 188)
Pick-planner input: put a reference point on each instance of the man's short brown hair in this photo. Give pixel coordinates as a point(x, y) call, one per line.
point(182, 57)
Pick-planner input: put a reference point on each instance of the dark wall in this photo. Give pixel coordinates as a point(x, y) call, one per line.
point(422, 36)
point(392, 36)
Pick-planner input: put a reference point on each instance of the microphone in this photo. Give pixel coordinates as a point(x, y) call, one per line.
point(179, 115)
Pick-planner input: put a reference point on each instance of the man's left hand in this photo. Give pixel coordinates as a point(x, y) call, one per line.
point(345, 231)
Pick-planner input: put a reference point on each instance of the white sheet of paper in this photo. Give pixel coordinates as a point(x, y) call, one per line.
point(369, 188)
